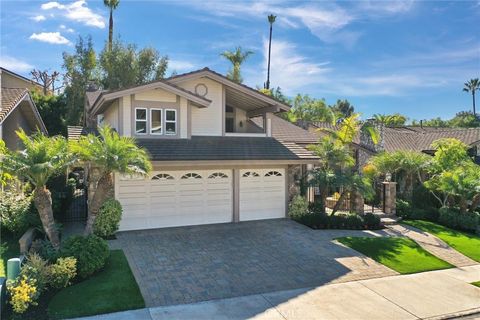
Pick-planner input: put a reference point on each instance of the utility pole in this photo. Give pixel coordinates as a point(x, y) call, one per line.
point(271, 20)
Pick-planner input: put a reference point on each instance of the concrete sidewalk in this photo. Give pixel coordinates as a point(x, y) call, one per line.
point(429, 295)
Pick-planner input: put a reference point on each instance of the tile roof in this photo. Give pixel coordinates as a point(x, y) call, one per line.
point(223, 148)
point(74, 132)
point(286, 131)
point(10, 98)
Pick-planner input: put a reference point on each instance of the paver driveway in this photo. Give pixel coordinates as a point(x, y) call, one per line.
point(191, 264)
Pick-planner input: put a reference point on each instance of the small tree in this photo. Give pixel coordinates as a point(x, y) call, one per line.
point(110, 153)
point(42, 158)
point(237, 58)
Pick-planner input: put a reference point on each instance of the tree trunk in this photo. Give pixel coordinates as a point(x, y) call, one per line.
point(43, 202)
point(473, 97)
point(102, 192)
point(475, 203)
point(338, 203)
point(463, 205)
point(110, 31)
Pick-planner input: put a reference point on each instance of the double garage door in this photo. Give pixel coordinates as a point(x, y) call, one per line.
point(181, 198)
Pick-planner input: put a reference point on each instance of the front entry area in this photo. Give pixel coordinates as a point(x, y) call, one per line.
point(195, 197)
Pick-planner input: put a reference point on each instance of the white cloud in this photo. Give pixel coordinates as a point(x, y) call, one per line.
point(50, 37)
point(64, 27)
point(14, 64)
point(181, 65)
point(77, 11)
point(38, 18)
point(289, 69)
point(386, 7)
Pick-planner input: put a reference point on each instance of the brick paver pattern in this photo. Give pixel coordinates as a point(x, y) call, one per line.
point(432, 244)
point(199, 263)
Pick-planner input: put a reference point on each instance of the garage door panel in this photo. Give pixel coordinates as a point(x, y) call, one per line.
point(262, 197)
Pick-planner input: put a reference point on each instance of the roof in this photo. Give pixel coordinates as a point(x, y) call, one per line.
point(405, 138)
point(223, 148)
point(11, 97)
point(286, 131)
point(220, 77)
point(74, 132)
point(95, 98)
point(21, 77)
point(319, 126)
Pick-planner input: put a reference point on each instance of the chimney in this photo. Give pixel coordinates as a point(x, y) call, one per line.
point(92, 86)
point(421, 124)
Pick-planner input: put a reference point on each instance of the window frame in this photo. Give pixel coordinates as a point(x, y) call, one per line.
point(170, 121)
point(141, 120)
point(161, 121)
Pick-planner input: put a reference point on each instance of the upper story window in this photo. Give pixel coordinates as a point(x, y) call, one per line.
point(156, 121)
point(140, 120)
point(170, 121)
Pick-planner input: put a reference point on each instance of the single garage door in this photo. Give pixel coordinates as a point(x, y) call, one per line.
point(175, 198)
point(262, 194)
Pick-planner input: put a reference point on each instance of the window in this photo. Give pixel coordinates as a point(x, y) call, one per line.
point(156, 121)
point(273, 174)
point(170, 122)
point(218, 175)
point(162, 176)
point(140, 121)
point(191, 175)
point(250, 174)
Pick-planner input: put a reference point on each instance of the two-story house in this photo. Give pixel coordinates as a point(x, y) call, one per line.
point(214, 156)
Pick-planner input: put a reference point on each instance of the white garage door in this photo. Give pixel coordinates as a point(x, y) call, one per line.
point(262, 194)
point(175, 198)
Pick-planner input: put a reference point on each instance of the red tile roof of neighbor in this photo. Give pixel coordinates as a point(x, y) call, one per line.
point(10, 98)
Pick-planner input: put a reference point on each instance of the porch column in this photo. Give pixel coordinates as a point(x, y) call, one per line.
point(236, 195)
point(268, 123)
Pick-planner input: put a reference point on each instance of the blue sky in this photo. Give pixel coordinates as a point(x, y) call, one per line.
point(410, 57)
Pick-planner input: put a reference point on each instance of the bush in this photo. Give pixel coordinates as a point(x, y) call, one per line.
point(38, 269)
point(403, 208)
point(23, 293)
point(372, 221)
point(91, 253)
point(108, 219)
point(62, 272)
point(17, 213)
point(452, 218)
point(422, 198)
point(44, 249)
point(430, 214)
point(298, 207)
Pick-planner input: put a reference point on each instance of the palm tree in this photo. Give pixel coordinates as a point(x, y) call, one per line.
point(236, 57)
point(271, 20)
point(110, 154)
point(112, 5)
point(472, 86)
point(42, 158)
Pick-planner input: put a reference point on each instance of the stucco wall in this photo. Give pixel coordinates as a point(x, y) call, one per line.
point(13, 122)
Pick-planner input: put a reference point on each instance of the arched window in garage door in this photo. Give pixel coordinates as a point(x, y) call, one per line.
point(218, 175)
point(191, 175)
point(273, 174)
point(162, 176)
point(250, 174)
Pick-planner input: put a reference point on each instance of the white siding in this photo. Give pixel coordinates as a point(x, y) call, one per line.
point(183, 118)
point(207, 121)
point(126, 107)
point(156, 95)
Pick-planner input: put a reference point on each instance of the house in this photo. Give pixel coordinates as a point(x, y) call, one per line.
point(219, 153)
point(17, 109)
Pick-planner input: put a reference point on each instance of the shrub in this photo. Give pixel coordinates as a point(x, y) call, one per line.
point(353, 222)
point(108, 219)
point(44, 249)
point(23, 293)
point(298, 207)
point(403, 208)
point(62, 272)
point(91, 253)
point(430, 214)
point(463, 221)
point(372, 221)
point(17, 213)
point(422, 198)
point(38, 269)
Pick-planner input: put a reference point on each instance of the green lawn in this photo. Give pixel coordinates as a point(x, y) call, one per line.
point(476, 283)
point(466, 243)
point(12, 251)
point(113, 289)
point(400, 254)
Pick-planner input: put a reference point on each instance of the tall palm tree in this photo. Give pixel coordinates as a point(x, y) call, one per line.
point(112, 5)
point(271, 20)
point(236, 57)
point(110, 154)
point(42, 158)
point(472, 86)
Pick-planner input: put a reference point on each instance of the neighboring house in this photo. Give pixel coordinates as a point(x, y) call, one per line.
point(17, 109)
point(413, 138)
point(219, 154)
